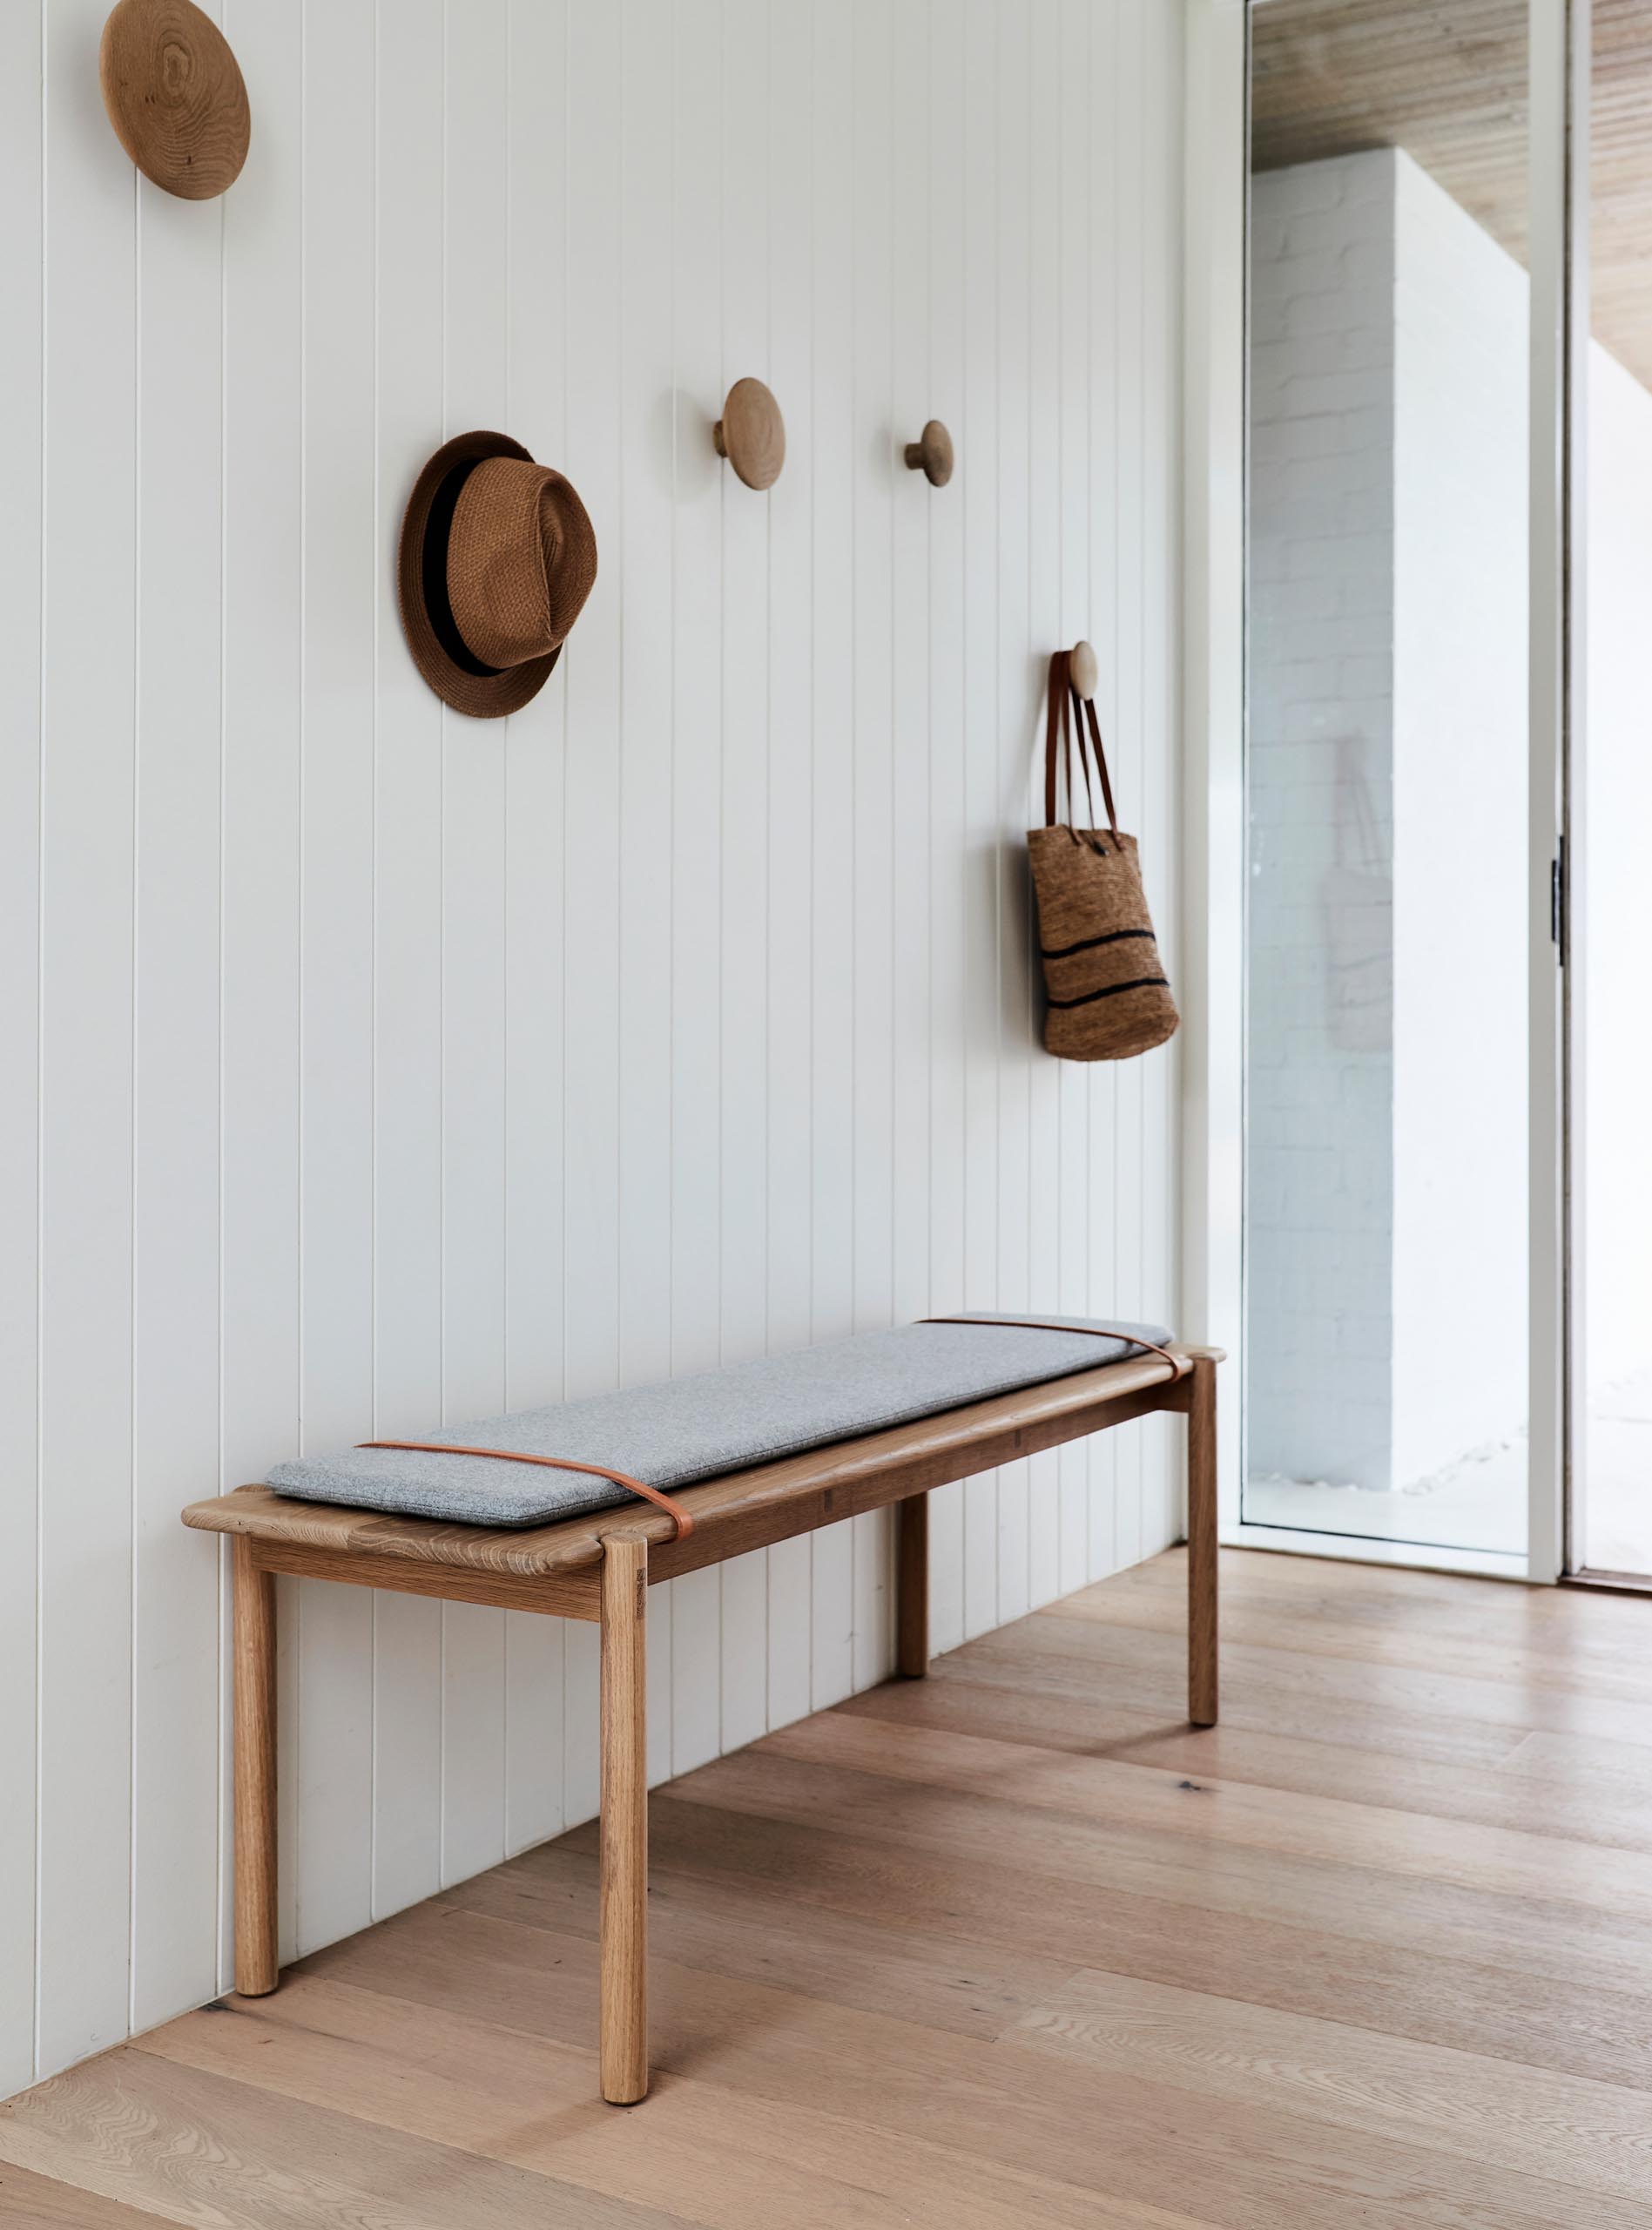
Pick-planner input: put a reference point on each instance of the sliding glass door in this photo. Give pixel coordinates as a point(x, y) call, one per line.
point(1611, 812)
point(1393, 908)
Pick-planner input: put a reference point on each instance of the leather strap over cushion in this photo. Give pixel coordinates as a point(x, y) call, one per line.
point(598, 1452)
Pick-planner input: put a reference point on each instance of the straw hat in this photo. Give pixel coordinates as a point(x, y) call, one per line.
point(497, 558)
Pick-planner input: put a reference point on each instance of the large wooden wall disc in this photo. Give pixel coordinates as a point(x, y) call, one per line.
point(175, 96)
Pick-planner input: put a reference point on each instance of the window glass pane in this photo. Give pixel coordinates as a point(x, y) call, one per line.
point(1387, 1073)
point(1612, 811)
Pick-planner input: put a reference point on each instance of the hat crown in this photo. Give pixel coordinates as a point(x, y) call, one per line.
point(521, 560)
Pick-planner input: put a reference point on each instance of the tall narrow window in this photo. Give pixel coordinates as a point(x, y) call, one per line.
point(1386, 1217)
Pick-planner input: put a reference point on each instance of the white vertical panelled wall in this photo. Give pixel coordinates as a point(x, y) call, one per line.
point(366, 1067)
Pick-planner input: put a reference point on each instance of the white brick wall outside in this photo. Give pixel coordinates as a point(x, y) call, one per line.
point(1387, 1033)
point(1320, 1157)
point(1460, 873)
point(1616, 887)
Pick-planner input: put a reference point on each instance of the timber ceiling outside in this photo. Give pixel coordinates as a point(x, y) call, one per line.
point(1446, 80)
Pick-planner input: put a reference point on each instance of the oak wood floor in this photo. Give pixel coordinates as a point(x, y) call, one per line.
point(1009, 1947)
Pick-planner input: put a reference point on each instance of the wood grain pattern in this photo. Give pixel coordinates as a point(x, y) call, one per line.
point(1203, 1676)
point(1299, 1681)
point(624, 2017)
point(931, 453)
point(254, 1598)
point(175, 96)
point(1589, 2134)
point(1614, 1810)
point(967, 1952)
point(1446, 80)
point(1525, 1652)
point(183, 2142)
point(1496, 1860)
point(31, 2202)
point(569, 1595)
point(1144, 1675)
point(1477, 1998)
point(912, 1589)
point(750, 433)
point(1124, 2138)
point(738, 1918)
point(1533, 2119)
point(715, 2154)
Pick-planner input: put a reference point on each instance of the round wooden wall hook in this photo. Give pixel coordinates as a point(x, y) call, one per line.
point(931, 453)
point(175, 96)
point(1083, 670)
point(750, 433)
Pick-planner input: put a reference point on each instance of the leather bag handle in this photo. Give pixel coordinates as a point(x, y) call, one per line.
point(1088, 704)
point(1066, 710)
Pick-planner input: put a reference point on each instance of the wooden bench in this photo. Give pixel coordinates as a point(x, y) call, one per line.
point(600, 1567)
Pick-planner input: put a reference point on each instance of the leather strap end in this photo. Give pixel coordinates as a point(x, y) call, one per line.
point(673, 1509)
point(1179, 1364)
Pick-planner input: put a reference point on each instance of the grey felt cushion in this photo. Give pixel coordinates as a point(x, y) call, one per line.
point(681, 1430)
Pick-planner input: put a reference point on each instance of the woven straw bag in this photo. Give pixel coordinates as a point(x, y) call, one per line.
point(1109, 996)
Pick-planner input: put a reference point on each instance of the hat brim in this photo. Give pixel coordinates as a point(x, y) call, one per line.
point(458, 677)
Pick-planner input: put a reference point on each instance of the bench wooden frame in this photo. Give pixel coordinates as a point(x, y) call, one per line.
point(601, 1566)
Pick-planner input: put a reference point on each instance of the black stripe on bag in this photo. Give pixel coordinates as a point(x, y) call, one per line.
point(1086, 944)
point(1108, 990)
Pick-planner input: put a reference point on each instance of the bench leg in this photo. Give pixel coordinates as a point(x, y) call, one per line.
point(256, 1967)
point(623, 1868)
point(1202, 1549)
point(912, 1588)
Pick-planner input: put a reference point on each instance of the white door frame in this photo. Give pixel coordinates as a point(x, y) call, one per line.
point(1558, 157)
point(1215, 838)
point(1215, 196)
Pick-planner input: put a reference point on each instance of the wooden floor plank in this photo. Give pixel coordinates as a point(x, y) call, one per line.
point(30, 2202)
point(1280, 1676)
point(1124, 2138)
point(1542, 1935)
point(876, 1961)
point(1011, 1946)
point(1593, 2135)
point(1503, 1861)
point(195, 2147)
point(1502, 2012)
point(1578, 1769)
point(707, 2153)
point(1144, 1680)
point(1528, 1790)
point(1529, 1652)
